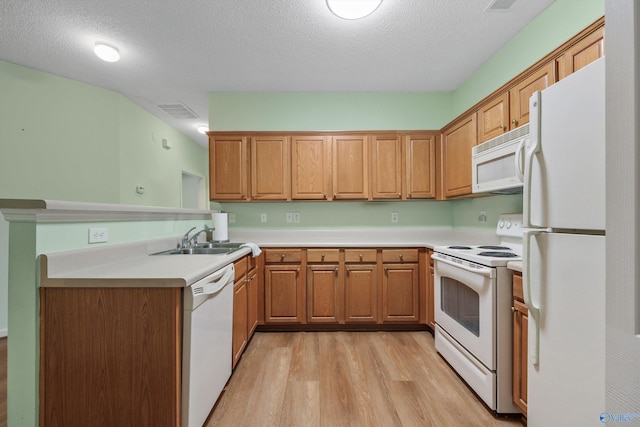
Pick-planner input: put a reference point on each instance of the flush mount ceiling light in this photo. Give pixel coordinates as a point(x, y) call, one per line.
point(203, 129)
point(353, 9)
point(106, 52)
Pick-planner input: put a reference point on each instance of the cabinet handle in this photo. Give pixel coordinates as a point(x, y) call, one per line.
point(409, 195)
point(399, 195)
point(281, 257)
point(386, 270)
point(503, 127)
point(515, 122)
point(401, 258)
point(324, 196)
point(348, 270)
point(360, 257)
point(322, 258)
point(336, 271)
point(334, 195)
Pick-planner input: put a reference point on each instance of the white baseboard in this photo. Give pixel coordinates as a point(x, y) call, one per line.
point(3, 333)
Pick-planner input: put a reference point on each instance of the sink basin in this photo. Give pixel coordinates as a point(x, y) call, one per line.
point(204, 249)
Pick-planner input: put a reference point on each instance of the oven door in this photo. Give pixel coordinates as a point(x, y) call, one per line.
point(465, 295)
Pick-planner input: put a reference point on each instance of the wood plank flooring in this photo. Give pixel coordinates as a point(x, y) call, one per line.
point(348, 379)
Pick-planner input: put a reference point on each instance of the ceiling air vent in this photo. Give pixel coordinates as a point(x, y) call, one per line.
point(177, 110)
point(499, 5)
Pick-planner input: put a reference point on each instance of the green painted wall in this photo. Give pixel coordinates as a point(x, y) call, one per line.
point(266, 111)
point(66, 140)
point(554, 26)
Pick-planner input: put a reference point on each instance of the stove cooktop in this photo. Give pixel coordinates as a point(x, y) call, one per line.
point(509, 229)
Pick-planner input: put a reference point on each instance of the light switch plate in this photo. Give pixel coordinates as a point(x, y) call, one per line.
point(98, 235)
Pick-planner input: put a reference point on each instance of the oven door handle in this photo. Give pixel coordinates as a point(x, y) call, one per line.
point(484, 271)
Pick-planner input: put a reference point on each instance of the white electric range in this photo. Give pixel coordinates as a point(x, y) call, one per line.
point(473, 298)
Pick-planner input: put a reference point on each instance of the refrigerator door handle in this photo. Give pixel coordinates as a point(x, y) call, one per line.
point(527, 284)
point(519, 161)
point(532, 147)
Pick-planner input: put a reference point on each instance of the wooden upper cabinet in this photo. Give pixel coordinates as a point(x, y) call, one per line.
point(493, 118)
point(228, 163)
point(311, 168)
point(583, 52)
point(386, 167)
point(350, 167)
point(420, 166)
point(520, 93)
point(270, 168)
point(457, 141)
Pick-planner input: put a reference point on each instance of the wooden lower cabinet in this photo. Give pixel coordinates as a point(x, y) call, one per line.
point(110, 356)
point(431, 319)
point(253, 301)
point(400, 297)
point(323, 293)
point(284, 294)
point(240, 319)
point(520, 345)
point(361, 293)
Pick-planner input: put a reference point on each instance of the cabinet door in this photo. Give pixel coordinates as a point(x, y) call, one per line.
point(493, 118)
point(310, 168)
point(581, 53)
point(386, 167)
point(252, 302)
point(431, 320)
point(520, 354)
point(420, 166)
point(270, 173)
point(400, 293)
point(350, 167)
point(361, 293)
point(521, 92)
point(457, 142)
point(240, 327)
point(228, 168)
point(323, 293)
point(284, 294)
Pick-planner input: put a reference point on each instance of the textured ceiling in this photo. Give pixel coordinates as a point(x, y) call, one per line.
point(178, 51)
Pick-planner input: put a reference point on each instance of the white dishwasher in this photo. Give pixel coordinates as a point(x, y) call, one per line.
point(206, 345)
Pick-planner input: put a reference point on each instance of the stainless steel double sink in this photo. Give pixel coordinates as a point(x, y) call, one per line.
point(222, 248)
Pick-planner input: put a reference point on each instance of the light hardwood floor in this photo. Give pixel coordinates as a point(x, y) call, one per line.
point(347, 379)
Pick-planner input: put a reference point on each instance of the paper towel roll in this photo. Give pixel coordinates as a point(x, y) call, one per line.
point(220, 223)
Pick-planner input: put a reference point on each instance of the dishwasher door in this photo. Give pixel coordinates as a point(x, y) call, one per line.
point(206, 345)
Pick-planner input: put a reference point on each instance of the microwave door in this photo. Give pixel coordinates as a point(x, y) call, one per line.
point(498, 170)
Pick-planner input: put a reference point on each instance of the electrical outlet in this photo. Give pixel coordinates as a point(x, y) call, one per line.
point(98, 235)
point(232, 217)
point(263, 217)
point(289, 217)
point(296, 217)
point(483, 216)
point(394, 217)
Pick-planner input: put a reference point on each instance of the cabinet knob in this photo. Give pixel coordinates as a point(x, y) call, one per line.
point(360, 257)
point(322, 258)
point(503, 127)
point(515, 122)
point(513, 309)
point(334, 195)
point(324, 196)
point(409, 195)
point(336, 271)
point(401, 258)
point(281, 257)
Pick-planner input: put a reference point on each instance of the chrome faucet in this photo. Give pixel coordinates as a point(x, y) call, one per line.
point(185, 238)
point(186, 241)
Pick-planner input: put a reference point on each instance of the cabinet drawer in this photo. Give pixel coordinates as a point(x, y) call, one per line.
point(240, 267)
point(399, 255)
point(360, 255)
point(517, 287)
point(323, 255)
point(282, 255)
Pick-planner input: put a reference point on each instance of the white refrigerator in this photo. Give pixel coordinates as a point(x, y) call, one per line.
point(564, 250)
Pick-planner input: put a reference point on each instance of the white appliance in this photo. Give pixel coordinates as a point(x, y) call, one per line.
point(497, 164)
point(206, 346)
point(473, 301)
point(564, 250)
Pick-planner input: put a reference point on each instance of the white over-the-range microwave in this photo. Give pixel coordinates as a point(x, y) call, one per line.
point(498, 164)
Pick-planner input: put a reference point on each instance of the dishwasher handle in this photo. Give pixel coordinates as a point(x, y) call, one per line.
point(214, 283)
